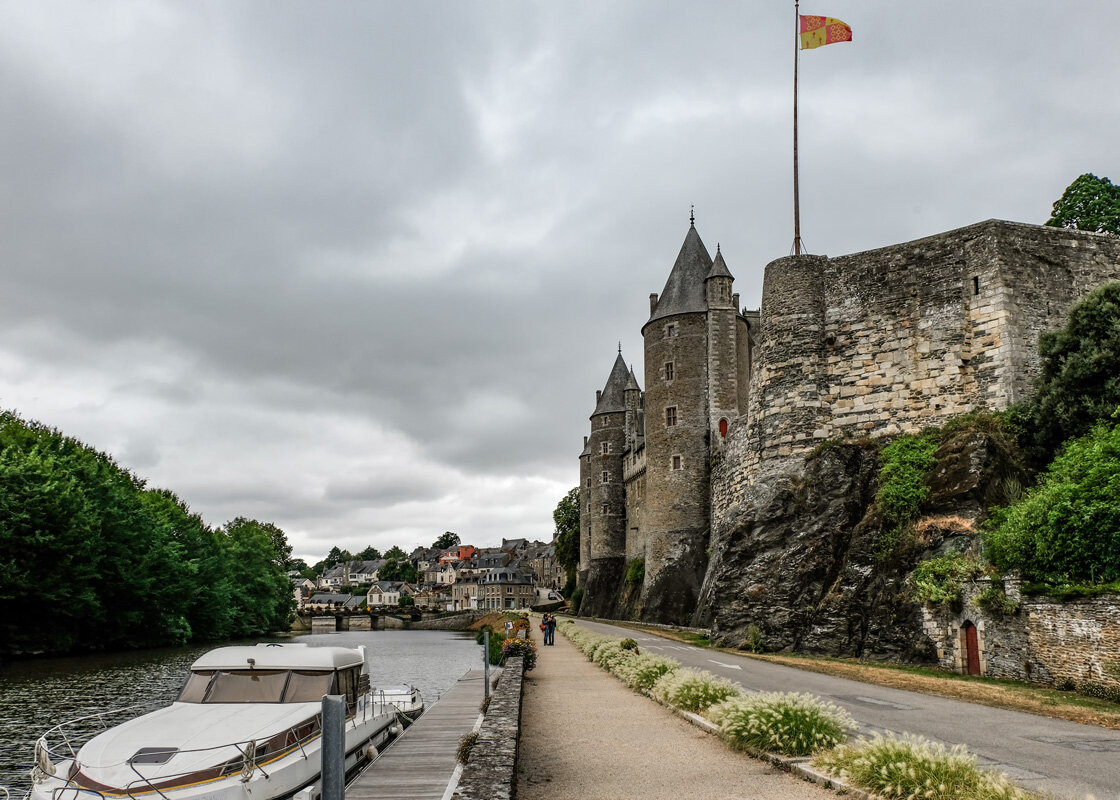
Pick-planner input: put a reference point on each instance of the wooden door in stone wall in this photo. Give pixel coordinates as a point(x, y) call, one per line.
point(972, 648)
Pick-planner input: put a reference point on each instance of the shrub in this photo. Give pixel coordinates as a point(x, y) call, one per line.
point(513, 647)
point(636, 572)
point(643, 671)
point(939, 581)
point(496, 640)
point(781, 722)
point(753, 642)
point(693, 690)
point(903, 465)
point(610, 653)
point(466, 743)
point(995, 601)
point(577, 600)
point(1066, 530)
point(911, 766)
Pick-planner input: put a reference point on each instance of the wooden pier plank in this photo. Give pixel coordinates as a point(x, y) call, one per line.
point(419, 765)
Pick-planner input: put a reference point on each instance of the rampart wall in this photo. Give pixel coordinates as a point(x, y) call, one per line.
point(901, 338)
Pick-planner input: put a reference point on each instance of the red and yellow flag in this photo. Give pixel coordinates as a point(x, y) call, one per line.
point(818, 31)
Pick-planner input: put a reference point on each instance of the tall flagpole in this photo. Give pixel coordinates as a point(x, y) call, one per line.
point(796, 198)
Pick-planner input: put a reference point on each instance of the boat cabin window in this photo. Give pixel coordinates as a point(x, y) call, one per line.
point(272, 686)
point(308, 687)
point(197, 684)
point(247, 686)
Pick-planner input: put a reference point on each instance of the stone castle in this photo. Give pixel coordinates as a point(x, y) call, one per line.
point(875, 343)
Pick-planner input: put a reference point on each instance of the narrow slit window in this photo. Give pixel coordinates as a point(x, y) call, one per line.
point(676, 462)
point(976, 284)
point(668, 370)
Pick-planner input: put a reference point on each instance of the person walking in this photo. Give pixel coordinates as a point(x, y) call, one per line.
point(550, 629)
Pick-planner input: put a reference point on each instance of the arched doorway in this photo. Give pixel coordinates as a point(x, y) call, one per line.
point(723, 428)
point(971, 645)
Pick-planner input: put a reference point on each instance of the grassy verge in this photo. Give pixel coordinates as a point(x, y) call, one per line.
point(995, 692)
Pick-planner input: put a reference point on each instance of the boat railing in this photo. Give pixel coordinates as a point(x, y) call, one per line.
point(84, 727)
point(252, 755)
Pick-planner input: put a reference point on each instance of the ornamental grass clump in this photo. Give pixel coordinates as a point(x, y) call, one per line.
point(693, 690)
point(913, 767)
point(642, 672)
point(793, 724)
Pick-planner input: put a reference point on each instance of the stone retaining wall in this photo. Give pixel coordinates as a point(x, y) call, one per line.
point(491, 770)
point(1074, 644)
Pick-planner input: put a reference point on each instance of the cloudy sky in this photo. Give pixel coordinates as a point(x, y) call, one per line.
point(357, 268)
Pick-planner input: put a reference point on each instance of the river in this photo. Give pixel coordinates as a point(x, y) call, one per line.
point(38, 694)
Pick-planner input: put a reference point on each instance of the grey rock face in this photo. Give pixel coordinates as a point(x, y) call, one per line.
point(801, 561)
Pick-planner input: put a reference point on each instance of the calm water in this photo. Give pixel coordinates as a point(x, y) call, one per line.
point(36, 695)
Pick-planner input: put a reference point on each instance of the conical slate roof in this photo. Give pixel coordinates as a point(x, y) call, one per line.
point(719, 267)
point(614, 393)
point(684, 291)
point(633, 382)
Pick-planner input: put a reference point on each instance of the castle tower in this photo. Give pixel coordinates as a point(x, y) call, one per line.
point(677, 432)
point(584, 512)
point(723, 358)
point(605, 506)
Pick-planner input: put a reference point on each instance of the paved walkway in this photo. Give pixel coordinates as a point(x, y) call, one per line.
point(585, 735)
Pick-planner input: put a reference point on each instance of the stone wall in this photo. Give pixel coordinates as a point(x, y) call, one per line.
point(1074, 644)
point(491, 770)
point(902, 338)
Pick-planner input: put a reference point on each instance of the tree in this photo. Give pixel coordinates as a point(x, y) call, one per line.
point(1088, 204)
point(335, 557)
point(1067, 529)
point(1079, 383)
point(448, 539)
point(262, 595)
point(566, 517)
point(394, 553)
point(369, 554)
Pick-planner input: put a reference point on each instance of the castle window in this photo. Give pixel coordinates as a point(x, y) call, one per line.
point(723, 427)
point(671, 330)
point(606, 447)
point(670, 416)
point(976, 284)
point(606, 509)
point(668, 370)
point(676, 462)
point(606, 477)
point(589, 482)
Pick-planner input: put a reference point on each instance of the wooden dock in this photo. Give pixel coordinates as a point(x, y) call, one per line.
point(420, 763)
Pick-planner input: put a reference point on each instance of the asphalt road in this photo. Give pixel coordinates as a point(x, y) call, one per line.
point(1063, 758)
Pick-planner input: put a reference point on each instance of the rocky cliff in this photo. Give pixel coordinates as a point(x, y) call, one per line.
point(807, 563)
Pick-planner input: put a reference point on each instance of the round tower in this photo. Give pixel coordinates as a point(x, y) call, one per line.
point(788, 415)
point(723, 356)
point(605, 506)
point(677, 433)
point(584, 512)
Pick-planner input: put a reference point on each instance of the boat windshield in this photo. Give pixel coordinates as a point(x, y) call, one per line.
point(257, 686)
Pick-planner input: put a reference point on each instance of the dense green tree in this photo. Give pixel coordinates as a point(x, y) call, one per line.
point(566, 517)
point(1066, 530)
point(1079, 383)
point(262, 598)
point(398, 569)
point(369, 554)
point(394, 553)
point(336, 556)
point(92, 559)
point(447, 539)
point(1088, 204)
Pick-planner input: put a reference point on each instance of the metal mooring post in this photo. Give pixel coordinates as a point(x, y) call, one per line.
point(334, 747)
point(485, 665)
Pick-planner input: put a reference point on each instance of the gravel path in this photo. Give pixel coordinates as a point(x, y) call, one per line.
point(585, 735)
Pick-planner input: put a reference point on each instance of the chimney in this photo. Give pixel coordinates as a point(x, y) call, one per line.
point(735, 300)
point(652, 302)
point(598, 396)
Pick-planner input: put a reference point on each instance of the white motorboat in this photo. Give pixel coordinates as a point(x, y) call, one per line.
point(246, 726)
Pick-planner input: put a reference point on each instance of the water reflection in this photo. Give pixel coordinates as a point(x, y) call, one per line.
point(36, 695)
